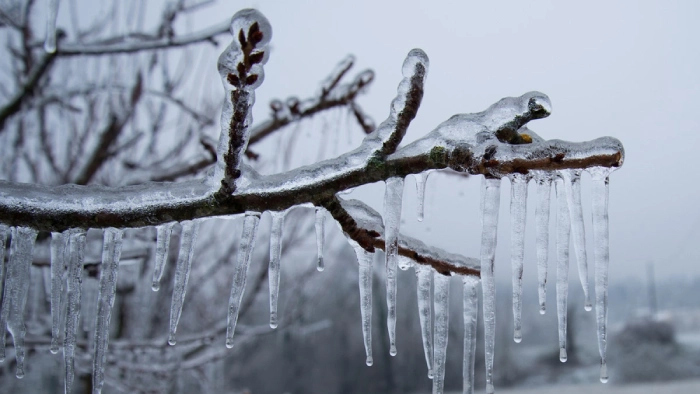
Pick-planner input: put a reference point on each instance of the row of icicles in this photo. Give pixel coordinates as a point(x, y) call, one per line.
point(68, 249)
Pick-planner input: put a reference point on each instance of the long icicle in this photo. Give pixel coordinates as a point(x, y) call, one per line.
point(4, 229)
point(424, 277)
point(421, 181)
point(392, 220)
point(518, 214)
point(365, 260)
point(16, 289)
point(572, 187)
point(470, 305)
point(163, 233)
point(75, 277)
point(601, 254)
point(188, 238)
point(563, 239)
point(111, 252)
point(544, 191)
point(490, 201)
point(50, 43)
point(240, 272)
point(442, 325)
point(5, 306)
point(320, 226)
point(273, 272)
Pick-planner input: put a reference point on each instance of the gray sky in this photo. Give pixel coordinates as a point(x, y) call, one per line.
point(628, 69)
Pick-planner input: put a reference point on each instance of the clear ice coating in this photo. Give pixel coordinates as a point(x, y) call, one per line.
point(163, 233)
point(59, 246)
point(490, 201)
point(111, 252)
point(75, 278)
point(518, 213)
point(442, 319)
point(421, 181)
point(320, 236)
point(543, 182)
point(601, 254)
point(50, 43)
point(17, 278)
point(365, 260)
point(188, 238)
point(240, 272)
point(392, 219)
point(424, 277)
point(563, 240)
point(91, 288)
point(470, 304)
point(572, 188)
point(273, 272)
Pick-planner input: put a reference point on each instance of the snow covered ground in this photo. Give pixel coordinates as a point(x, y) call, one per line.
point(677, 387)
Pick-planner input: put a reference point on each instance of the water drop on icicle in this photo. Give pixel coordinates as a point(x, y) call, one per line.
point(442, 324)
point(240, 272)
point(111, 252)
point(392, 219)
point(50, 43)
point(544, 189)
point(75, 277)
point(421, 181)
point(163, 233)
point(188, 238)
point(601, 254)
point(563, 239)
point(320, 236)
point(273, 271)
point(518, 213)
point(16, 288)
point(470, 305)
point(365, 260)
point(404, 263)
point(490, 202)
point(572, 187)
point(424, 277)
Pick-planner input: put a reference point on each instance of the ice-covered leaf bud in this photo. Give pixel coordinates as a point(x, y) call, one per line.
point(255, 24)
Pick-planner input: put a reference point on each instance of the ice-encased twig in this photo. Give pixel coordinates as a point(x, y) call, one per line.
point(59, 245)
point(572, 188)
point(273, 272)
point(491, 199)
point(75, 277)
point(563, 239)
point(424, 278)
point(544, 190)
point(518, 213)
point(442, 324)
point(111, 252)
point(51, 15)
point(365, 260)
point(470, 305)
point(392, 220)
point(163, 233)
point(421, 182)
point(188, 238)
point(240, 272)
point(601, 254)
point(17, 279)
point(320, 227)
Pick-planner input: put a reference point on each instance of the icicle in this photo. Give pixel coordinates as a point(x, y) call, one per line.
point(601, 254)
point(365, 260)
point(544, 188)
point(188, 237)
point(563, 239)
point(111, 252)
point(392, 220)
point(421, 181)
point(274, 267)
point(240, 272)
point(16, 287)
point(50, 43)
point(91, 288)
point(572, 187)
point(320, 236)
point(490, 201)
point(518, 213)
point(424, 277)
point(59, 244)
point(3, 318)
point(470, 303)
point(442, 320)
point(163, 233)
point(75, 278)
